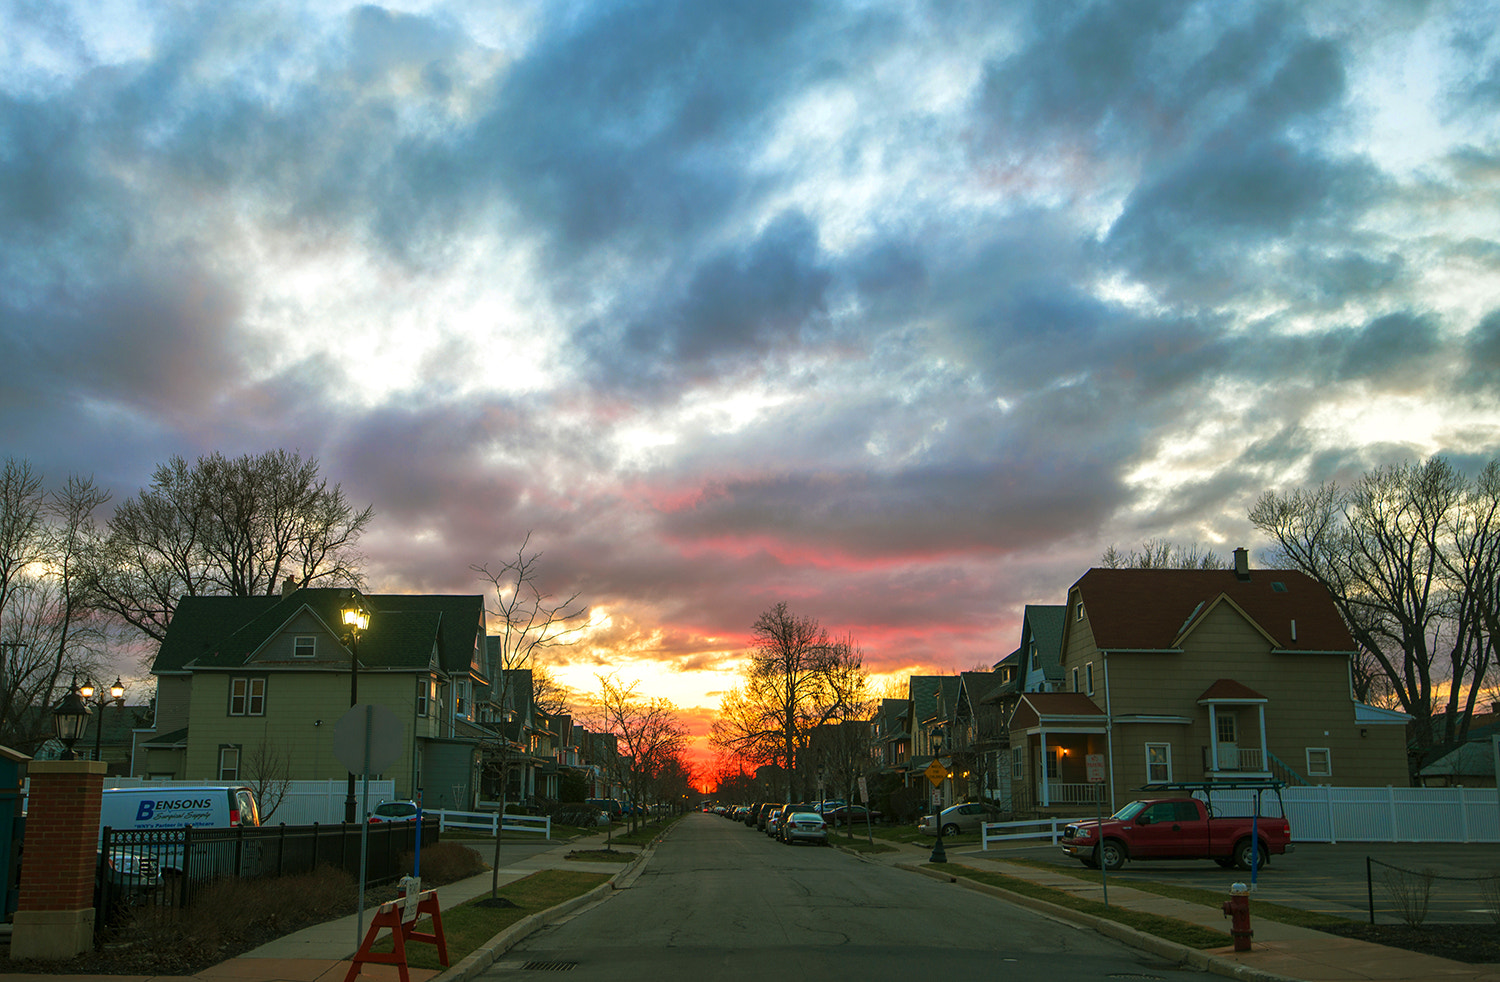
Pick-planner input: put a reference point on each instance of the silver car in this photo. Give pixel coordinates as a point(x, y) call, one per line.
point(957, 819)
point(805, 827)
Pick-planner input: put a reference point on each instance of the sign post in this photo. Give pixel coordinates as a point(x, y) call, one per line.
point(367, 739)
point(1095, 765)
point(937, 774)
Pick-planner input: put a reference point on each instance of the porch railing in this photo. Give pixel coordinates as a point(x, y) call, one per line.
point(1235, 760)
point(1071, 794)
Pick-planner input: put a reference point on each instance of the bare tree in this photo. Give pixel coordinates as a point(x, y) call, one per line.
point(549, 695)
point(225, 527)
point(48, 630)
point(649, 734)
point(1161, 554)
point(799, 678)
point(269, 769)
point(1407, 553)
point(529, 620)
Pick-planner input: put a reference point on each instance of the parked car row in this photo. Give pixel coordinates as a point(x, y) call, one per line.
point(788, 822)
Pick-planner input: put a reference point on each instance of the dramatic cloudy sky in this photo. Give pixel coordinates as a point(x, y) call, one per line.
point(899, 312)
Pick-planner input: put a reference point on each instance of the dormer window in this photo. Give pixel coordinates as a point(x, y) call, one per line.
point(305, 646)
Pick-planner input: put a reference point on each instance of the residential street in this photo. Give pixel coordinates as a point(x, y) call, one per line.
point(722, 901)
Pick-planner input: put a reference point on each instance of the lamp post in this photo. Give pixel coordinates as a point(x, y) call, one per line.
point(356, 616)
point(69, 717)
point(116, 696)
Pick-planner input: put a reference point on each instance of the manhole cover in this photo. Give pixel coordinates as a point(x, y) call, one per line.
point(548, 966)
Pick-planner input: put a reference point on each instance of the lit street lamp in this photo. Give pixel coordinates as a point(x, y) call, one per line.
point(116, 696)
point(69, 718)
point(356, 618)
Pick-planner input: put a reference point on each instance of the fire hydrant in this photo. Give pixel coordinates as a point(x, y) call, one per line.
point(1237, 909)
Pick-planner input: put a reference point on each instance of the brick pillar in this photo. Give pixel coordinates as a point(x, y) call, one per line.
point(55, 916)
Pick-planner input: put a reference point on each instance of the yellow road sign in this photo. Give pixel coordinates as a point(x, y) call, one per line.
point(936, 773)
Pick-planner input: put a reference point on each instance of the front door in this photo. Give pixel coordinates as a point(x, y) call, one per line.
point(1228, 742)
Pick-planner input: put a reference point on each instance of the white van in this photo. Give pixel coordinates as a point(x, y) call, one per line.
point(207, 806)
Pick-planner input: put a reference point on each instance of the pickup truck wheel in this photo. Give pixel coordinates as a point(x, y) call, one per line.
point(1110, 854)
point(1242, 855)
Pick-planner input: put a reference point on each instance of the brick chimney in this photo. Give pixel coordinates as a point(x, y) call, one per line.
point(1241, 564)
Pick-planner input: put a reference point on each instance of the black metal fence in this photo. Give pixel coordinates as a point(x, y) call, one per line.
point(169, 867)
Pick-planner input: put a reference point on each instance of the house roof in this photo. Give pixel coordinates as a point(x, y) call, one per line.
point(1154, 609)
point(224, 632)
point(1044, 623)
point(1473, 759)
point(1036, 707)
point(1229, 689)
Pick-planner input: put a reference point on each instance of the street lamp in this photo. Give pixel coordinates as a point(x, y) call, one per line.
point(69, 717)
point(356, 616)
point(116, 695)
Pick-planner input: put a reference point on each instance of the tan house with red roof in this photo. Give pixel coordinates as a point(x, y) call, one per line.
point(1200, 675)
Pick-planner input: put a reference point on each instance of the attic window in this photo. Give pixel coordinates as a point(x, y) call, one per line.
point(305, 647)
point(1278, 587)
point(1079, 615)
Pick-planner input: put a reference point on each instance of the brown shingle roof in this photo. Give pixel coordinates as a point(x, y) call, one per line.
point(1229, 689)
point(1148, 609)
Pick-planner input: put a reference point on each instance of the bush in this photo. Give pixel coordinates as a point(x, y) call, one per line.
point(446, 862)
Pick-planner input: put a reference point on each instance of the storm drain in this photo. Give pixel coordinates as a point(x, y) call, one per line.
point(548, 966)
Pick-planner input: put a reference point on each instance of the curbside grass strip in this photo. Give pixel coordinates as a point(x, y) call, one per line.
point(1171, 950)
point(481, 958)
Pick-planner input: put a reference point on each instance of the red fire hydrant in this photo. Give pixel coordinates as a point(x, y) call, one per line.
point(1237, 909)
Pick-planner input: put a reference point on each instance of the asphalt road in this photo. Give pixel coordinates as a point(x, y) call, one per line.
point(720, 901)
point(1331, 878)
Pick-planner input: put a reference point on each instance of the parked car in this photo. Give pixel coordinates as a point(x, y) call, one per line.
point(764, 815)
point(789, 810)
point(394, 811)
point(844, 814)
point(612, 805)
point(957, 819)
point(804, 826)
point(1176, 828)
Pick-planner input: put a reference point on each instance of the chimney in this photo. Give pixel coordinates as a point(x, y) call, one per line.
point(288, 586)
point(1241, 564)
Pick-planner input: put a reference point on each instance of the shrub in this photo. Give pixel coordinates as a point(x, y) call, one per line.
point(446, 862)
point(1410, 892)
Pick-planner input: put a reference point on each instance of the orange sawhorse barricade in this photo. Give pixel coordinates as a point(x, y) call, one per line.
point(394, 915)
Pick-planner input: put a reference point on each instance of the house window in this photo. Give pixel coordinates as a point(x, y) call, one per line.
point(247, 697)
point(229, 763)
point(1018, 763)
point(1075, 680)
point(1088, 671)
point(1079, 614)
point(1158, 763)
point(424, 689)
point(1226, 727)
point(1319, 762)
point(305, 647)
point(1036, 662)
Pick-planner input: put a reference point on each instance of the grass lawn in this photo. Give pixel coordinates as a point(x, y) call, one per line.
point(859, 843)
point(1208, 898)
point(601, 856)
point(468, 926)
point(1169, 928)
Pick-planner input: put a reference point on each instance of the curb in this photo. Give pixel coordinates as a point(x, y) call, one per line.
point(484, 956)
point(1179, 954)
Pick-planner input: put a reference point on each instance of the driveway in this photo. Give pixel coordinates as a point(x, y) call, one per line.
point(1328, 878)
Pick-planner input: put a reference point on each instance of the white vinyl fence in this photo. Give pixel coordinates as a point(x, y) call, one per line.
point(486, 822)
point(1325, 814)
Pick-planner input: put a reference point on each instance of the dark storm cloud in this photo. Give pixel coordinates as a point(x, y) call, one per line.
point(1394, 345)
point(1482, 352)
point(738, 304)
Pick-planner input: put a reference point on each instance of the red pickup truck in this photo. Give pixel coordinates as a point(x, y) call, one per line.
point(1173, 828)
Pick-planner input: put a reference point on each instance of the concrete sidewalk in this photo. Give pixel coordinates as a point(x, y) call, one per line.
point(322, 952)
point(1278, 952)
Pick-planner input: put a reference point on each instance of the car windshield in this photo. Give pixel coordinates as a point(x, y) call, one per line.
point(395, 810)
point(807, 817)
point(1129, 811)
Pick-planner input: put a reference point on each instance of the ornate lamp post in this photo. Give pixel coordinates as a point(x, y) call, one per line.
point(356, 616)
point(69, 718)
point(116, 696)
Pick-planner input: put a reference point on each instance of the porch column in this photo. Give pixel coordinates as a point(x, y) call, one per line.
point(1213, 738)
point(1046, 793)
point(1265, 751)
